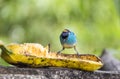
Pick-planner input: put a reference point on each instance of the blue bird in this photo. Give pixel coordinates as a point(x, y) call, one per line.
point(68, 40)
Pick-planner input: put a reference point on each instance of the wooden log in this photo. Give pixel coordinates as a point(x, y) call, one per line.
point(54, 73)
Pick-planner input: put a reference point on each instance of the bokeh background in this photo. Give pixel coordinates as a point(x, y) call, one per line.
point(96, 23)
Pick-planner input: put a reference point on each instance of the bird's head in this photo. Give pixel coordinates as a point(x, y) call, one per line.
point(65, 33)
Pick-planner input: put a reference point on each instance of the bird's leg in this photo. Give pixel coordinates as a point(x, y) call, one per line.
point(76, 50)
point(60, 50)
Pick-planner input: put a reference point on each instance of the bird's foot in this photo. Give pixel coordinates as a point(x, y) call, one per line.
point(78, 53)
point(58, 52)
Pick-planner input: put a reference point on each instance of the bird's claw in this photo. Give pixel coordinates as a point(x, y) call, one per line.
point(58, 52)
point(78, 53)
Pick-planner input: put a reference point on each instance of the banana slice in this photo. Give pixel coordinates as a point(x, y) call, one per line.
point(35, 55)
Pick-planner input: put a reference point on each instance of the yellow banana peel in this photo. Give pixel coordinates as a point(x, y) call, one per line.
point(35, 55)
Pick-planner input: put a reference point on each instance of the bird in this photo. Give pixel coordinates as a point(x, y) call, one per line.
point(68, 40)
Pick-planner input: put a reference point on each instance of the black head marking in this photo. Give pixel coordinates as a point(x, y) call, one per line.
point(65, 33)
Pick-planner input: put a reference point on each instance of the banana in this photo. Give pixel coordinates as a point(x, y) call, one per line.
point(35, 55)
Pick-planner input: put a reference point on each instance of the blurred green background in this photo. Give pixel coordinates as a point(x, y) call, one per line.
point(96, 23)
